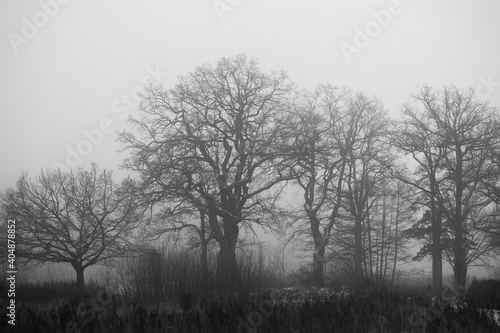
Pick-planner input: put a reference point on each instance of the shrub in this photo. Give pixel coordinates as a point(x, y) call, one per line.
point(45, 292)
point(484, 293)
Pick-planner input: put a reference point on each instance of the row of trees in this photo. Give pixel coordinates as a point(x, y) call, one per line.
point(212, 156)
point(228, 138)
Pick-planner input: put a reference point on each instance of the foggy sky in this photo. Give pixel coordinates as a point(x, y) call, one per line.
point(80, 66)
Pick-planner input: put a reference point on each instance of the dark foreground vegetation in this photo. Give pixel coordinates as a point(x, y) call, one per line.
point(485, 293)
point(274, 310)
point(136, 300)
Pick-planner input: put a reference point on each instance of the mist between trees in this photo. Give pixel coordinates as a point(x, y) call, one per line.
point(211, 158)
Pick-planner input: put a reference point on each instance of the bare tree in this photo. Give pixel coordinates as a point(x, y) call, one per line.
point(81, 218)
point(367, 160)
point(317, 167)
point(415, 135)
point(457, 135)
point(382, 246)
point(390, 218)
point(173, 210)
point(220, 129)
point(332, 128)
point(491, 186)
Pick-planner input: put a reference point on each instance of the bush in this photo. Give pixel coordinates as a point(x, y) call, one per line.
point(484, 293)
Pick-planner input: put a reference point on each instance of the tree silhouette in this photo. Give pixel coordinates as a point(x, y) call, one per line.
point(213, 142)
point(452, 135)
point(81, 218)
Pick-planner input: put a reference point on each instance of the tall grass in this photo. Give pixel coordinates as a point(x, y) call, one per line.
point(180, 273)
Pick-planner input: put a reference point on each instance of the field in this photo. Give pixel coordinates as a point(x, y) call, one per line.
point(275, 310)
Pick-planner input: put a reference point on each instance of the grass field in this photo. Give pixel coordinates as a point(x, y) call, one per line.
point(276, 310)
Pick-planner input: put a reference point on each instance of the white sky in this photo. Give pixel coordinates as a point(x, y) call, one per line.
point(67, 76)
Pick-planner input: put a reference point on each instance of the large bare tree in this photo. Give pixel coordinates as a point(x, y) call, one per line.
point(416, 136)
point(452, 135)
point(220, 129)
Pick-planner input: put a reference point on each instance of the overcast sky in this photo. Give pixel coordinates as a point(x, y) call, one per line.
point(70, 67)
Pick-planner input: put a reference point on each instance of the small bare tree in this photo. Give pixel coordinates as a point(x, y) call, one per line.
point(81, 218)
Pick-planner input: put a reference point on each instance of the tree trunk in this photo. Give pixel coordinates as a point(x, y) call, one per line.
point(155, 263)
point(437, 260)
point(396, 240)
point(370, 249)
point(204, 266)
point(204, 253)
point(382, 244)
point(365, 257)
point(459, 243)
point(228, 274)
point(317, 277)
point(377, 257)
point(80, 281)
point(460, 262)
point(358, 250)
